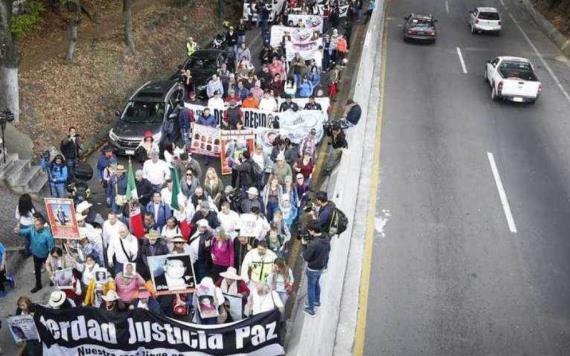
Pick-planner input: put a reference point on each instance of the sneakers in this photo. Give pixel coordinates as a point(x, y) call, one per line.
point(315, 304)
point(309, 311)
point(36, 288)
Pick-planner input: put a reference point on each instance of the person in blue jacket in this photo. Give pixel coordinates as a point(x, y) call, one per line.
point(184, 120)
point(159, 211)
point(41, 244)
point(106, 159)
point(305, 89)
point(207, 119)
point(58, 176)
point(314, 76)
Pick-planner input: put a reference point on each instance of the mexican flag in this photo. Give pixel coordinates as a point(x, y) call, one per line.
point(135, 216)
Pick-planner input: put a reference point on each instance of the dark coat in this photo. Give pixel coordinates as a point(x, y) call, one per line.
point(144, 191)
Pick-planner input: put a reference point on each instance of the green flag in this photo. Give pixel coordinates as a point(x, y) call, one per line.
point(131, 185)
point(175, 189)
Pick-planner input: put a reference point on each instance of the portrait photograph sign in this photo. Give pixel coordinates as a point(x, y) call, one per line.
point(63, 278)
point(248, 225)
point(61, 217)
point(23, 328)
point(205, 140)
point(172, 274)
point(234, 144)
point(101, 276)
point(207, 307)
point(235, 306)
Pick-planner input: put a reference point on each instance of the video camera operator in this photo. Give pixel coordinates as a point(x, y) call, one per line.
point(316, 249)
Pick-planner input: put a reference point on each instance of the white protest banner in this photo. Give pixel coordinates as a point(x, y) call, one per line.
point(325, 102)
point(253, 118)
point(248, 226)
point(236, 306)
point(205, 140)
point(302, 41)
point(265, 138)
point(297, 125)
point(23, 328)
point(312, 22)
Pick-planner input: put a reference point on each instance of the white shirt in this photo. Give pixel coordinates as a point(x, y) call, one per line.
point(268, 104)
point(25, 220)
point(216, 103)
point(259, 159)
point(230, 221)
point(110, 230)
point(130, 244)
point(156, 173)
point(263, 303)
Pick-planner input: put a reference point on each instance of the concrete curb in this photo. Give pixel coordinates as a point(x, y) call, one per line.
point(556, 36)
point(318, 335)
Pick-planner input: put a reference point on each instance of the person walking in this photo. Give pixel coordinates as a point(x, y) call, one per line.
point(58, 175)
point(25, 217)
point(41, 244)
point(70, 148)
point(316, 253)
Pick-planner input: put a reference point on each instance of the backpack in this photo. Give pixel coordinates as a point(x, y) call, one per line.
point(339, 222)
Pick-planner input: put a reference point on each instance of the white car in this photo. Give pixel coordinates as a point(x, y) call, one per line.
point(512, 78)
point(485, 19)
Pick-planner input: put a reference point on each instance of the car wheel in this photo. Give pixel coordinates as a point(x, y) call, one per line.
point(485, 76)
point(494, 95)
point(498, 33)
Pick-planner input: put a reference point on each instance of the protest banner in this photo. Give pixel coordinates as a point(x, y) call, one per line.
point(324, 101)
point(93, 331)
point(253, 118)
point(172, 274)
point(302, 41)
point(297, 125)
point(234, 143)
point(61, 217)
point(248, 225)
point(205, 140)
point(23, 328)
point(311, 22)
point(63, 278)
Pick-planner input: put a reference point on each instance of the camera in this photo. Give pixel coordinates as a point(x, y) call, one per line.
point(303, 235)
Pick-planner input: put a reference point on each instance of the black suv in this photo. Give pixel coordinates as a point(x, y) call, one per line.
point(147, 110)
point(420, 28)
point(203, 64)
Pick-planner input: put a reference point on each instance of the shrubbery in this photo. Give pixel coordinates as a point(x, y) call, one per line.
point(28, 18)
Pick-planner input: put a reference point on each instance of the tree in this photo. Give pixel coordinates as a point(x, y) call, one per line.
point(73, 18)
point(9, 60)
point(128, 24)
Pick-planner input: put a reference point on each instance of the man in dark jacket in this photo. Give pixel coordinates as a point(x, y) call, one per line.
point(326, 209)
point(205, 213)
point(338, 144)
point(144, 188)
point(70, 147)
point(152, 245)
point(312, 104)
point(288, 104)
point(232, 116)
point(242, 245)
point(352, 112)
point(250, 201)
point(245, 172)
point(316, 253)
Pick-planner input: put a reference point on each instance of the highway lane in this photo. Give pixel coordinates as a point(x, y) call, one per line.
point(449, 276)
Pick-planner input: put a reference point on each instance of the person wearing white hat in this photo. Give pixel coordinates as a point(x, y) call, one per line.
point(230, 282)
point(251, 200)
point(58, 300)
point(111, 301)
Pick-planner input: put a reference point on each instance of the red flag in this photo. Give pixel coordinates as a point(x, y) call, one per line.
point(135, 217)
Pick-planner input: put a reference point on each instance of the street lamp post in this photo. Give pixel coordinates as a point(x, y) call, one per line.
point(6, 116)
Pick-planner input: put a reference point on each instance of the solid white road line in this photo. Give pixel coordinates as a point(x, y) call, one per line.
point(564, 92)
point(446, 6)
point(502, 194)
point(461, 60)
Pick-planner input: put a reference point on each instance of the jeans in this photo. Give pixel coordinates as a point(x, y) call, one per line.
point(38, 263)
point(313, 287)
point(57, 190)
point(271, 208)
point(297, 78)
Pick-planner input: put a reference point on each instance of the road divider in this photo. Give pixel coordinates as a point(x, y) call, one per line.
point(502, 194)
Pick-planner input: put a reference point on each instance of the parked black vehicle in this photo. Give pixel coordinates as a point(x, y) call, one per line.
point(203, 64)
point(150, 108)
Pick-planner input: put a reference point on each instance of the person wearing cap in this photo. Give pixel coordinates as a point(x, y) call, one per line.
point(207, 119)
point(206, 213)
point(110, 301)
point(281, 169)
point(90, 242)
point(201, 249)
point(288, 104)
point(312, 104)
point(214, 84)
point(156, 171)
point(338, 144)
point(58, 300)
point(106, 159)
point(123, 248)
point(251, 200)
point(216, 102)
point(301, 186)
point(57, 175)
point(117, 188)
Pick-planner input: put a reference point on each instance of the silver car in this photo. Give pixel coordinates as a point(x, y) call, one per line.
point(485, 19)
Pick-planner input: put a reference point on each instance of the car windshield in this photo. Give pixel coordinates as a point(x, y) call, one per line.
point(140, 112)
point(203, 64)
point(489, 16)
point(421, 23)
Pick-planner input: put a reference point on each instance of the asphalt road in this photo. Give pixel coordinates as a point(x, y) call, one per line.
point(449, 275)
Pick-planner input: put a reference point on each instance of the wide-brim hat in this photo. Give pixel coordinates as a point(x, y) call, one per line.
point(84, 205)
point(111, 296)
point(121, 168)
point(79, 217)
point(56, 298)
point(231, 273)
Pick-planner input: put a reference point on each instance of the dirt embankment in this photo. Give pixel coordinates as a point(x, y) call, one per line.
point(55, 95)
point(557, 12)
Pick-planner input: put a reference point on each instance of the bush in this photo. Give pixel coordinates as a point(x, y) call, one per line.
point(28, 18)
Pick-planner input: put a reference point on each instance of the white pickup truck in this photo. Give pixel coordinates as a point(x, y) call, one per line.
point(512, 78)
